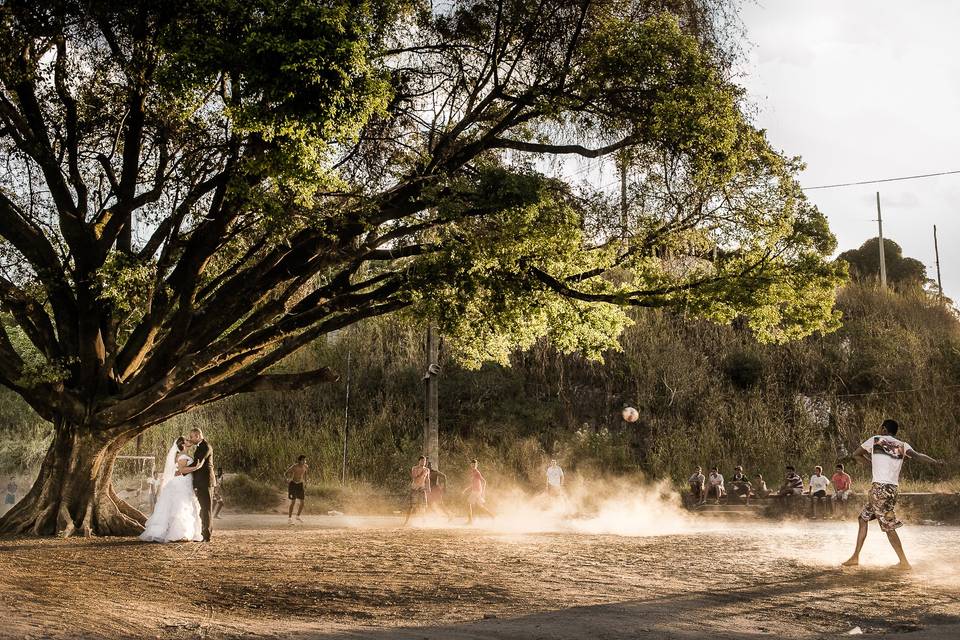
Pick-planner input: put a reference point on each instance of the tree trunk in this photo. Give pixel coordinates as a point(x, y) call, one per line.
point(74, 492)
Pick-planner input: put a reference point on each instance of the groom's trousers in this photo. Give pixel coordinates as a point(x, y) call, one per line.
point(203, 497)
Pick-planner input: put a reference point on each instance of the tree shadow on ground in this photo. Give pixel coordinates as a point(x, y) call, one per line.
point(758, 611)
point(23, 543)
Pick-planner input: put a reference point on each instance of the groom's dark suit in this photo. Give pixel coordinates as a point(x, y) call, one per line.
point(202, 481)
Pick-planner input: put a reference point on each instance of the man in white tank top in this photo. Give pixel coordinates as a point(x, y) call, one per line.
point(885, 455)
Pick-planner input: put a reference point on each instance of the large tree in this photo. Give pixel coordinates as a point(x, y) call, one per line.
point(195, 189)
point(902, 272)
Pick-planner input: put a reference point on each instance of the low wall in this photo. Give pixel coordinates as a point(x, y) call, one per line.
point(915, 507)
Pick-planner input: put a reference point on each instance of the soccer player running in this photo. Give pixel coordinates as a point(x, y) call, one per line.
point(296, 477)
point(419, 488)
point(885, 454)
point(438, 486)
point(475, 491)
point(554, 480)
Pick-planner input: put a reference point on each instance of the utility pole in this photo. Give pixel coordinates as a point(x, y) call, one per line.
point(936, 253)
point(431, 427)
point(623, 197)
point(883, 262)
point(346, 425)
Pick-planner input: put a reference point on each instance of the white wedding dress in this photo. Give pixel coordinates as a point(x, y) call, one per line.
point(176, 515)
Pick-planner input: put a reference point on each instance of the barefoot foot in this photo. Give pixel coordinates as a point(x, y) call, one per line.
point(852, 562)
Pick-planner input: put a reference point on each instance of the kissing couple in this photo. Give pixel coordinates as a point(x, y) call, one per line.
point(182, 511)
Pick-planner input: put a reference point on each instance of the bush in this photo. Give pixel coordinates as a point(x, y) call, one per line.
point(677, 372)
point(744, 369)
point(243, 493)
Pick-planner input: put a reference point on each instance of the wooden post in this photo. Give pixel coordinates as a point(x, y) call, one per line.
point(936, 253)
point(431, 427)
point(883, 262)
point(623, 197)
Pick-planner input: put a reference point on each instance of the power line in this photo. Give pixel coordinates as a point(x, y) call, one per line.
point(881, 393)
point(853, 184)
point(822, 186)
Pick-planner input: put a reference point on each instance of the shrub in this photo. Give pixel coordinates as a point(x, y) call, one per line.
point(243, 493)
point(744, 369)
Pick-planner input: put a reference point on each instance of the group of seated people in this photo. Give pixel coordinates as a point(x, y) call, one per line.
point(702, 488)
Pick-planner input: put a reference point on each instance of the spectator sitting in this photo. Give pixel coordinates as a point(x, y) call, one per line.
point(696, 482)
point(740, 484)
point(759, 487)
point(818, 489)
point(792, 484)
point(715, 485)
point(842, 487)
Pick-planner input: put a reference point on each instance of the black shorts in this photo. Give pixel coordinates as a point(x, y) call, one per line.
point(295, 491)
point(822, 493)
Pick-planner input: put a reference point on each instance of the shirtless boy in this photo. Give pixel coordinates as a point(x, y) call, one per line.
point(296, 476)
point(475, 492)
point(419, 487)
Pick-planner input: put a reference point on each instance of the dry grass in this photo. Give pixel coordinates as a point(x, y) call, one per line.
point(707, 395)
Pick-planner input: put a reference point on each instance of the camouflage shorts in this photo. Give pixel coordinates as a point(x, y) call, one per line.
point(882, 506)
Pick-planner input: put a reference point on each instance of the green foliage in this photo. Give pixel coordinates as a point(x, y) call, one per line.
point(668, 89)
point(677, 372)
point(902, 272)
point(126, 284)
point(36, 368)
point(480, 291)
point(302, 165)
point(301, 81)
point(243, 493)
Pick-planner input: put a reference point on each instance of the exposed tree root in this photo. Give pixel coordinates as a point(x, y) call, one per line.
point(73, 494)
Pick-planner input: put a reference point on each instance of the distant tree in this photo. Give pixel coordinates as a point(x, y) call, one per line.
point(902, 272)
point(195, 189)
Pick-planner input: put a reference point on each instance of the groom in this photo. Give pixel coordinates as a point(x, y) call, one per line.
point(202, 477)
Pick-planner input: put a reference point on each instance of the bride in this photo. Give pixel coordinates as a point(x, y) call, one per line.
point(176, 515)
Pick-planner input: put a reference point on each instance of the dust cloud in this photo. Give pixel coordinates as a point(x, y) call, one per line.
point(611, 506)
point(636, 507)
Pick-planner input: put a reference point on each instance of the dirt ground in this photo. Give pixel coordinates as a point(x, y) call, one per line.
point(336, 577)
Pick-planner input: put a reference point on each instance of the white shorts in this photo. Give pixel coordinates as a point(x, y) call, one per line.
point(843, 495)
point(475, 498)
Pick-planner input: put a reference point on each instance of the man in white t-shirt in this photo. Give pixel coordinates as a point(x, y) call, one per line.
point(818, 488)
point(885, 455)
point(554, 479)
point(715, 485)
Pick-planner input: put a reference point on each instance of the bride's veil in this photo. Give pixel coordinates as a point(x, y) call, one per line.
point(169, 465)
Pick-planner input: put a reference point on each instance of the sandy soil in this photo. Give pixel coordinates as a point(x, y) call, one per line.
point(368, 578)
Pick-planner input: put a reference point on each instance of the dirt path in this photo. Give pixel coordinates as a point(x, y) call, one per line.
point(326, 579)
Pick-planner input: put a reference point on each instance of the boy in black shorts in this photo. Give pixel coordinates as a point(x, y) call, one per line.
point(296, 476)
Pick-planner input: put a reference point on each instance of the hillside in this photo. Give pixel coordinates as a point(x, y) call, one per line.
point(706, 394)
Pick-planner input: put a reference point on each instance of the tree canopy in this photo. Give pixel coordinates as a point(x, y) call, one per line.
point(902, 272)
point(195, 189)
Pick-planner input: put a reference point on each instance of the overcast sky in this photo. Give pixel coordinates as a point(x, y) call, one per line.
point(865, 90)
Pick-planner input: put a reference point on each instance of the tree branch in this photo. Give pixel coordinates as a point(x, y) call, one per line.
point(562, 149)
point(289, 381)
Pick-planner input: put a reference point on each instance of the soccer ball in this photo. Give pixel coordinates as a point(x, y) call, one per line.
point(630, 414)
